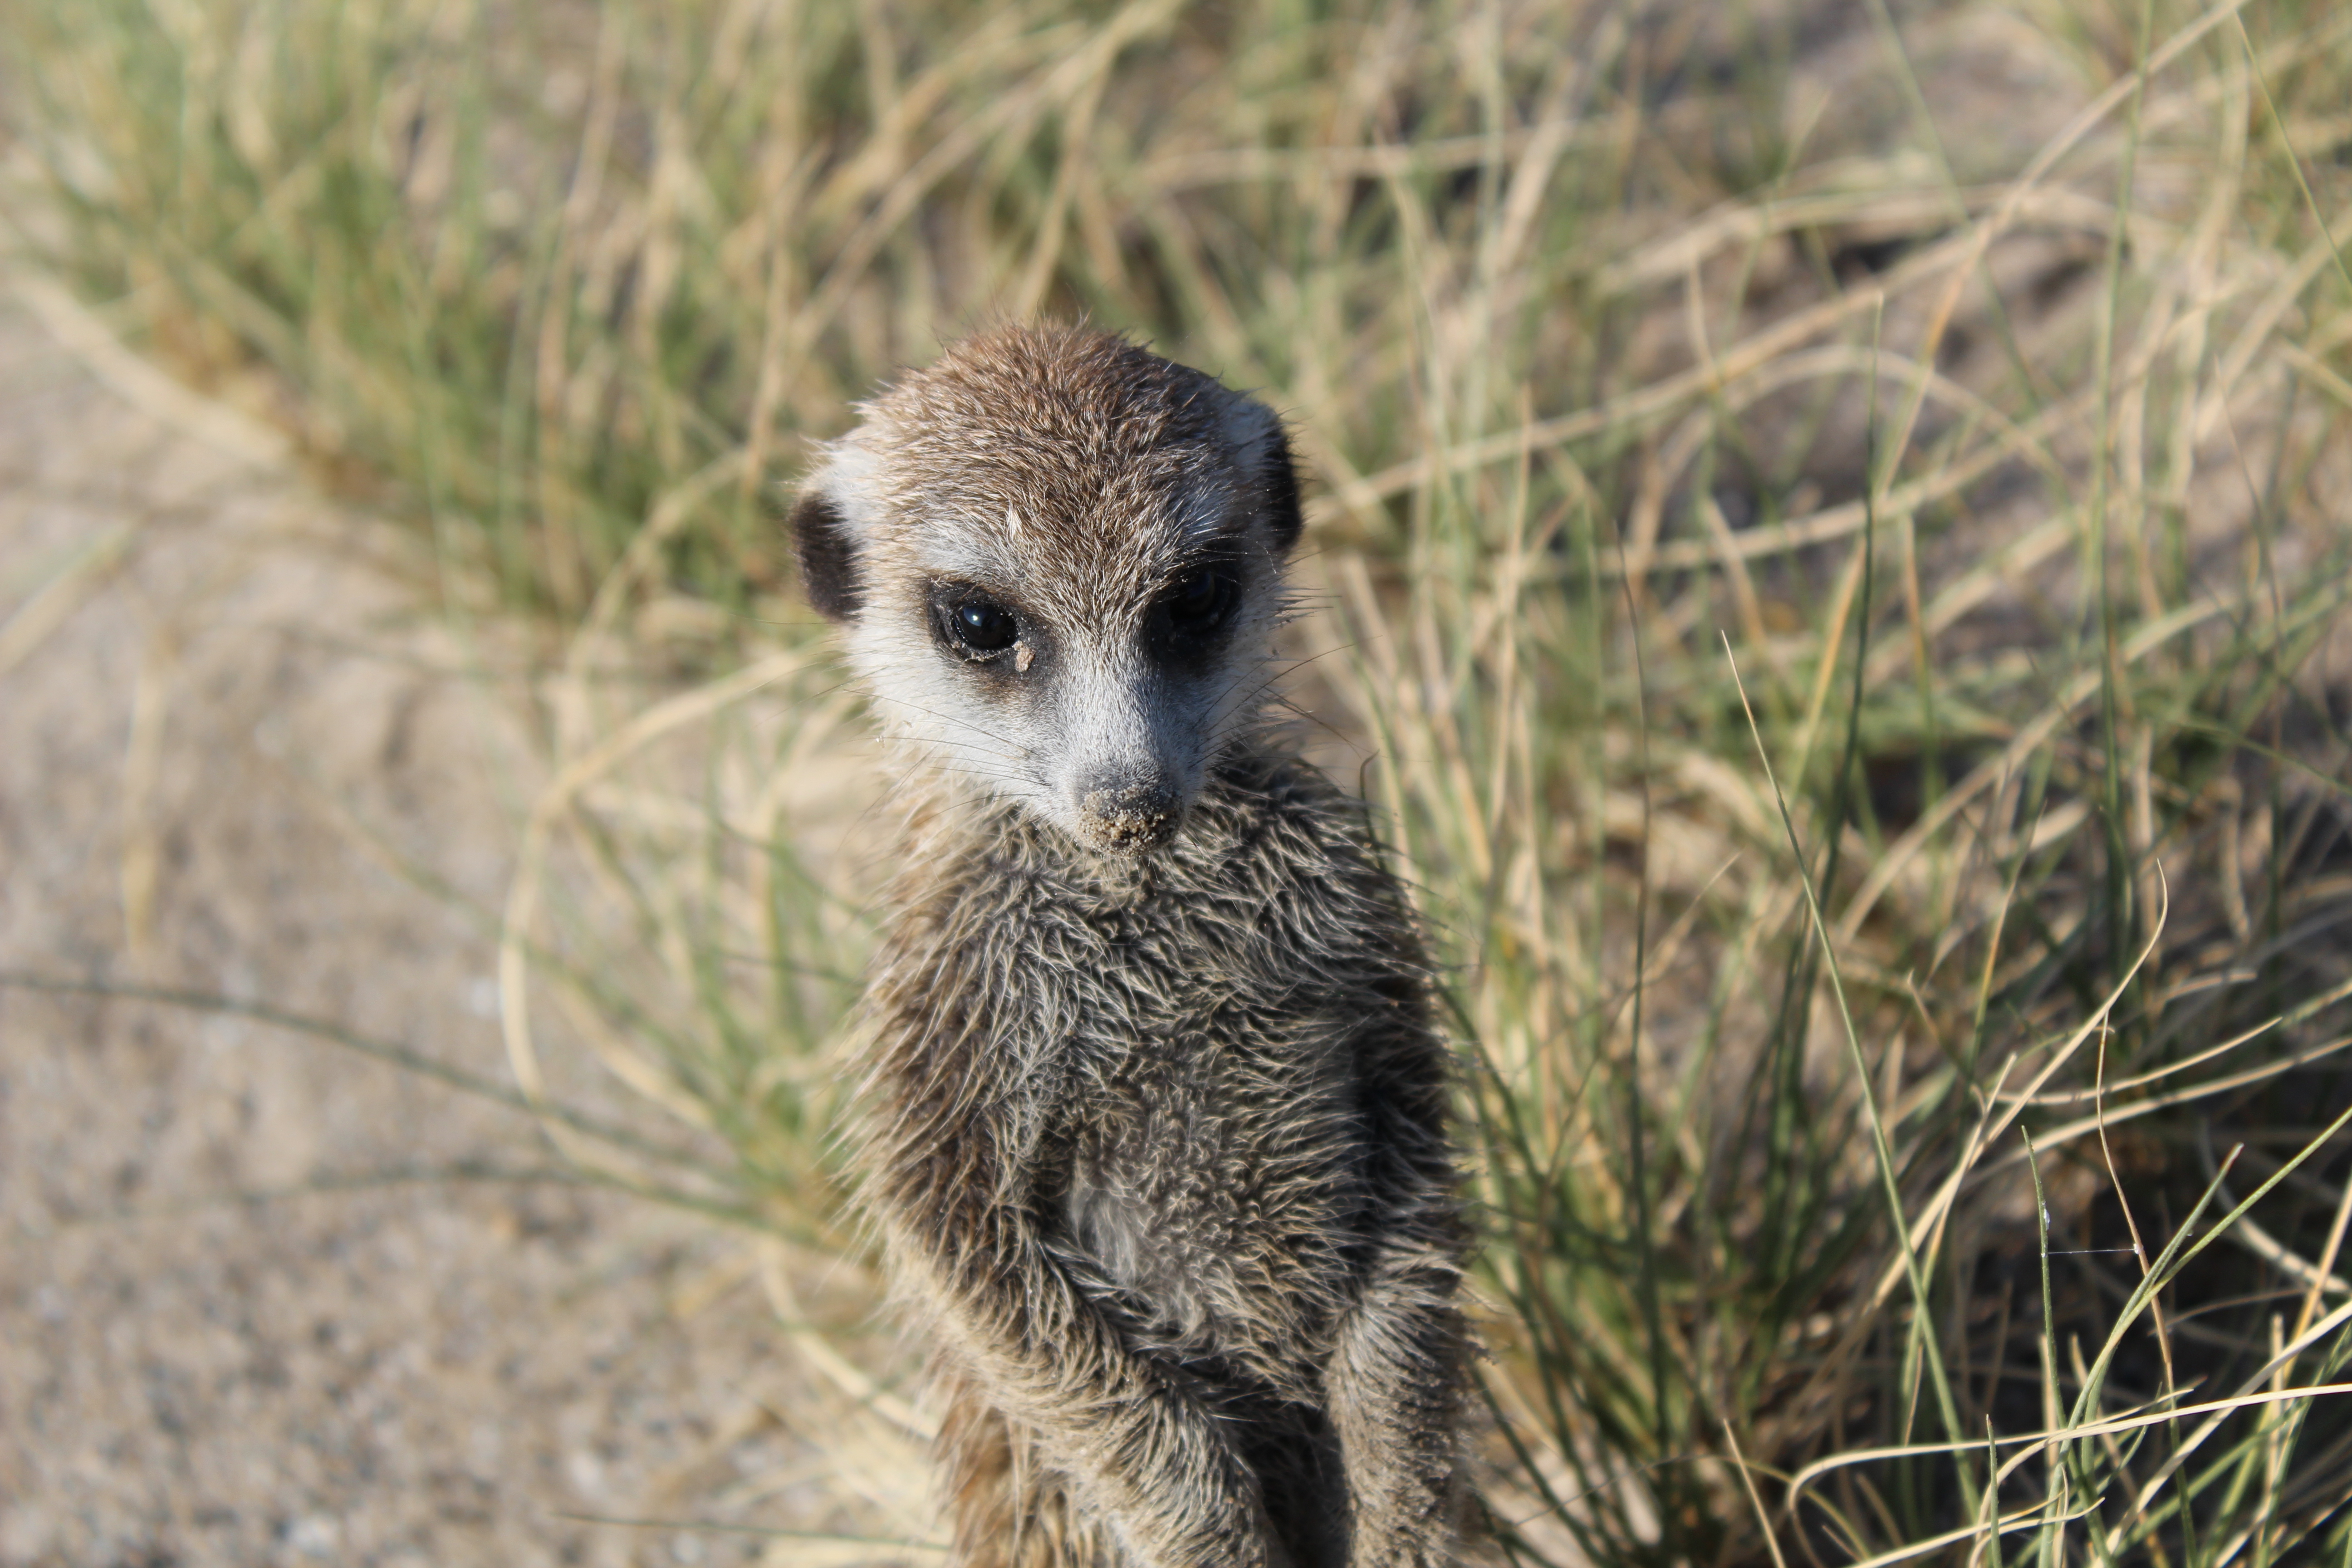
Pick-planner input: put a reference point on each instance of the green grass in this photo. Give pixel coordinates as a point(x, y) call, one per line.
point(1840, 552)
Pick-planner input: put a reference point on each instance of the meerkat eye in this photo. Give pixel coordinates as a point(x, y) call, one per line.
point(1200, 601)
point(981, 625)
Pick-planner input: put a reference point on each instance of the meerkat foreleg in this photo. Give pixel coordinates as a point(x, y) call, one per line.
point(1397, 1377)
point(1143, 1451)
point(1394, 1385)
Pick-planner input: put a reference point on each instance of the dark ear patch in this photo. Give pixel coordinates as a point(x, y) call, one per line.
point(1278, 496)
point(828, 560)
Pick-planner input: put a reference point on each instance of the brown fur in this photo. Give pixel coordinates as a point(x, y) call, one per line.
point(1156, 1129)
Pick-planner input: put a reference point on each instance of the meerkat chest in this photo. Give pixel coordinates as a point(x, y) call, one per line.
point(1171, 1071)
point(1212, 1183)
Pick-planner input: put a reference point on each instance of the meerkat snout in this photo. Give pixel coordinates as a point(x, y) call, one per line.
point(1129, 819)
point(1056, 559)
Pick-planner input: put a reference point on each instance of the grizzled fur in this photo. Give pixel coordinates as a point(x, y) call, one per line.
point(1156, 1130)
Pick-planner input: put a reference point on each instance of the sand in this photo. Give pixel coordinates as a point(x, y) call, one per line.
point(263, 1299)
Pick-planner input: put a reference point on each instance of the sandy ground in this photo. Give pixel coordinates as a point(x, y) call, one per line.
point(246, 1316)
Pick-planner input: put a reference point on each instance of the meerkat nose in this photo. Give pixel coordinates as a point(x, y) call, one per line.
point(1130, 816)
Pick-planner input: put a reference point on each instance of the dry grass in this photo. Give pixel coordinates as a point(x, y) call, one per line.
point(1835, 526)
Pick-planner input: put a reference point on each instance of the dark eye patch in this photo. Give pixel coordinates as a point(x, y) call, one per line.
point(1192, 613)
point(1202, 599)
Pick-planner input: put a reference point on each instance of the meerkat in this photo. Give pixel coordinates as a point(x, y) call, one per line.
point(1156, 1129)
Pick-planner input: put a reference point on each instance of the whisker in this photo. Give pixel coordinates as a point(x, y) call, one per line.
point(1014, 747)
point(1221, 711)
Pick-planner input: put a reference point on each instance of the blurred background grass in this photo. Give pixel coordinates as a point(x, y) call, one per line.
point(1833, 527)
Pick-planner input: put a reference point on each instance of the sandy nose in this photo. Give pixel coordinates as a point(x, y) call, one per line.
point(1130, 816)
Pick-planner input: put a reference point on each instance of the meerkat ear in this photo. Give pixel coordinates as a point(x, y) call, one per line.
point(827, 555)
point(1260, 447)
point(1278, 493)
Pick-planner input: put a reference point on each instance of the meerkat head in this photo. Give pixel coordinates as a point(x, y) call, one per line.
point(1056, 560)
